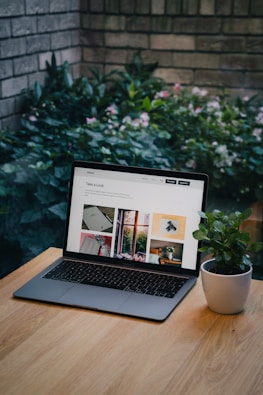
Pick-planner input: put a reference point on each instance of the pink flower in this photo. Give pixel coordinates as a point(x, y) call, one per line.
point(177, 87)
point(112, 110)
point(136, 123)
point(145, 119)
point(145, 116)
point(91, 120)
point(163, 94)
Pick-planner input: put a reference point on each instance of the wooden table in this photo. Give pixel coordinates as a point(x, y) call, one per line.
point(49, 349)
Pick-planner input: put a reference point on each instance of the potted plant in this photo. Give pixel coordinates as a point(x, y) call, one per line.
point(170, 251)
point(226, 276)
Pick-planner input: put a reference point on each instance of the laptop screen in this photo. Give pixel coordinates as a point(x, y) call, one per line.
point(135, 214)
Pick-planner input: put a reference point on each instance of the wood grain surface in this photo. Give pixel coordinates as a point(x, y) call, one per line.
point(50, 349)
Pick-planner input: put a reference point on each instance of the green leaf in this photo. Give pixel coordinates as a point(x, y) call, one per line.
point(62, 172)
point(29, 126)
point(219, 226)
point(45, 195)
point(60, 210)
point(10, 168)
point(256, 246)
point(200, 235)
point(3, 191)
point(203, 249)
point(68, 79)
point(30, 216)
point(202, 214)
point(245, 214)
point(52, 122)
point(227, 256)
point(132, 91)
point(37, 91)
point(146, 104)
point(258, 150)
point(101, 90)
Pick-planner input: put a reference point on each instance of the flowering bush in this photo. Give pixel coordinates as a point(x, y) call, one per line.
point(192, 132)
point(222, 138)
point(134, 118)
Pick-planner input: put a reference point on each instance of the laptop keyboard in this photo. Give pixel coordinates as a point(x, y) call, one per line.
point(117, 278)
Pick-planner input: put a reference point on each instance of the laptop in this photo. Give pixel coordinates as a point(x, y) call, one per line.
point(128, 246)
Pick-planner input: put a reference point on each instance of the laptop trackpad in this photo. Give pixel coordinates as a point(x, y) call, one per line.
point(94, 297)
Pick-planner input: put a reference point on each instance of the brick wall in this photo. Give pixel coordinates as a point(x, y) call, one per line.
point(29, 31)
point(207, 43)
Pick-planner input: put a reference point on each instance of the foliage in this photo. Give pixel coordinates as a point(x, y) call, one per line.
point(133, 117)
point(223, 239)
point(62, 101)
point(129, 117)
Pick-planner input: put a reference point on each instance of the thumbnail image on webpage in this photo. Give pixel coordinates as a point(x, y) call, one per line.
point(128, 234)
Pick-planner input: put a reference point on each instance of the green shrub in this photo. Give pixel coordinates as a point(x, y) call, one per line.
point(116, 115)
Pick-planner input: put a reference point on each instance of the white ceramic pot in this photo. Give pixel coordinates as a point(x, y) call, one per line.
point(225, 294)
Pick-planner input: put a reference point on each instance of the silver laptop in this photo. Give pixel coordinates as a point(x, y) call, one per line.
point(128, 246)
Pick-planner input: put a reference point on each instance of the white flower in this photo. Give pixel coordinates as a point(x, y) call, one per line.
point(199, 92)
point(32, 118)
point(191, 164)
point(127, 120)
point(257, 133)
point(221, 149)
point(213, 104)
point(259, 118)
point(225, 159)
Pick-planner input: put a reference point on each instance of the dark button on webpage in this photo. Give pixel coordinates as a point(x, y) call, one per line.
point(182, 182)
point(170, 181)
